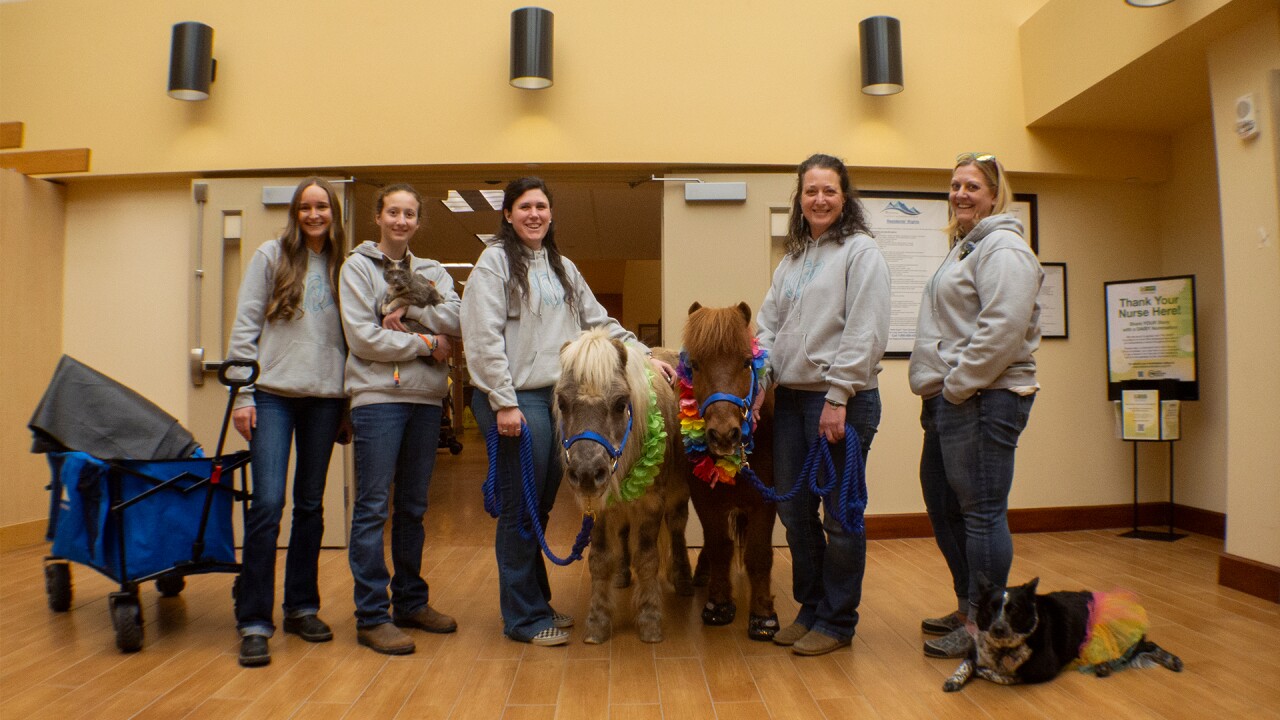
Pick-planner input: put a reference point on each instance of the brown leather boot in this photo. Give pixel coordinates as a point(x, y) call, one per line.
point(386, 639)
point(429, 619)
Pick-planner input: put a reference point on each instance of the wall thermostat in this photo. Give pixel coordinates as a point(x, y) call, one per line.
point(1246, 117)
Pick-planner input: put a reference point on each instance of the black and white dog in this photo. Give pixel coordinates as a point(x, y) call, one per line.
point(1028, 638)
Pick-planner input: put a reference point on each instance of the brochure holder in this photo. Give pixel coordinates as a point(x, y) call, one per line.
point(1147, 418)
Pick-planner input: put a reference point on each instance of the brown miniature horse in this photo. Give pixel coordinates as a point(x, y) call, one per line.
point(602, 404)
point(717, 365)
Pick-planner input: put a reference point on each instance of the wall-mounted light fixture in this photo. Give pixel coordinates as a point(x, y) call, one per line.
point(191, 64)
point(531, 45)
point(1148, 3)
point(881, 38)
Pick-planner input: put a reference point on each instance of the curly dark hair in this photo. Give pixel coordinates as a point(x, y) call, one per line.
point(853, 218)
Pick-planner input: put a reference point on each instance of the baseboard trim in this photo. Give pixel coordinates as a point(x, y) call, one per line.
point(1064, 519)
point(1249, 576)
point(22, 534)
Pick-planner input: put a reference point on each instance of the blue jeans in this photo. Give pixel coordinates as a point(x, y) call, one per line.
point(524, 594)
point(826, 567)
point(966, 471)
point(395, 447)
point(312, 424)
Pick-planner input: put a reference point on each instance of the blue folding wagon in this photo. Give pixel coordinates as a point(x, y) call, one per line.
point(132, 495)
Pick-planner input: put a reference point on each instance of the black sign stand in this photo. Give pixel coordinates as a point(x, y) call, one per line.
point(1164, 536)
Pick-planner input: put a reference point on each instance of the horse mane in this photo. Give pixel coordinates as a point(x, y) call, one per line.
point(591, 363)
point(711, 332)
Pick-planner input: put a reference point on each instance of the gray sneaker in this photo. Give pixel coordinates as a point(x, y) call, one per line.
point(955, 644)
point(941, 625)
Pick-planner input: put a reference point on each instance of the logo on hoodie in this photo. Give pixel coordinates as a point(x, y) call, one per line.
point(316, 296)
point(549, 290)
point(793, 287)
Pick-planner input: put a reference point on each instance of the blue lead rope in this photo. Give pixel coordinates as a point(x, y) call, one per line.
point(845, 494)
point(530, 525)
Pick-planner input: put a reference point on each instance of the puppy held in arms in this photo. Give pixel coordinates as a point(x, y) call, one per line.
point(405, 288)
point(1028, 638)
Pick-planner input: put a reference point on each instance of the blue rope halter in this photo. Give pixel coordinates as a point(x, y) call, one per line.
point(530, 525)
point(596, 437)
point(744, 404)
point(845, 494)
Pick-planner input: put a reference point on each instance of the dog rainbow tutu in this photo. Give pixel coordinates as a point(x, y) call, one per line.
point(1117, 623)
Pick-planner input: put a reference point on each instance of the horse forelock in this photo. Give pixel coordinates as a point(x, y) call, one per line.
point(712, 332)
point(589, 367)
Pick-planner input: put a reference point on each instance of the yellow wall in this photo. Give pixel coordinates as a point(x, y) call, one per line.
point(403, 82)
point(127, 280)
point(31, 221)
point(1243, 63)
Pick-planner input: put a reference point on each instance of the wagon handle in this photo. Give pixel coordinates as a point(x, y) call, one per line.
point(237, 383)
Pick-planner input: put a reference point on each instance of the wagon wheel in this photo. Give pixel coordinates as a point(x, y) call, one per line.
point(57, 584)
point(170, 585)
point(126, 618)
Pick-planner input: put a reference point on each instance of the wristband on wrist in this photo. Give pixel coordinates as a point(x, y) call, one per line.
point(833, 403)
point(431, 342)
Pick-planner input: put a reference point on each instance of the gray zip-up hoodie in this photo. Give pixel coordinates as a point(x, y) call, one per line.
point(516, 346)
point(979, 316)
point(301, 357)
point(825, 319)
point(377, 354)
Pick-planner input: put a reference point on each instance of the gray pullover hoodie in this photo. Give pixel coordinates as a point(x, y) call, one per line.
point(825, 319)
point(378, 355)
point(516, 345)
point(979, 316)
point(301, 357)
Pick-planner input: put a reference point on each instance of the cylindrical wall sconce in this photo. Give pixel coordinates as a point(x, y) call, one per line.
point(191, 63)
point(531, 41)
point(1148, 3)
point(881, 38)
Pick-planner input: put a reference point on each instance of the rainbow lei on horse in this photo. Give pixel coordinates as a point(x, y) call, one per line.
point(693, 428)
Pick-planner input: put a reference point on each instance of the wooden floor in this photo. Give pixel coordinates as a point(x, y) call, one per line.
point(65, 665)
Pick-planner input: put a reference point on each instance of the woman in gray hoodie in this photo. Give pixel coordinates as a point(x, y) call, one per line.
point(825, 323)
point(287, 320)
point(396, 404)
point(972, 364)
point(523, 301)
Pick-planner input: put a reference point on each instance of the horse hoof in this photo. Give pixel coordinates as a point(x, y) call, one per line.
point(682, 585)
point(719, 614)
point(622, 580)
point(594, 640)
point(762, 627)
point(651, 636)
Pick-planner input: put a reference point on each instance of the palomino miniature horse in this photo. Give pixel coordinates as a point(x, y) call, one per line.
point(719, 357)
point(618, 423)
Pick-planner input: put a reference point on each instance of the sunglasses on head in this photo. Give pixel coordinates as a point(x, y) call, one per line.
point(976, 157)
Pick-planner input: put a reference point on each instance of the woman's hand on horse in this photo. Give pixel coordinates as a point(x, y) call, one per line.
point(245, 419)
point(510, 420)
point(831, 424)
point(755, 406)
point(394, 319)
point(668, 372)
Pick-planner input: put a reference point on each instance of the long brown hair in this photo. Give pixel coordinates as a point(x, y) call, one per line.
point(291, 268)
point(518, 254)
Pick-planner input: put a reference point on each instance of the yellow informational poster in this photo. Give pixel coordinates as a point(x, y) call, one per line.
point(1141, 409)
point(1151, 331)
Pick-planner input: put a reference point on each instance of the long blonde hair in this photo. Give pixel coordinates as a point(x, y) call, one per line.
point(993, 171)
point(291, 268)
